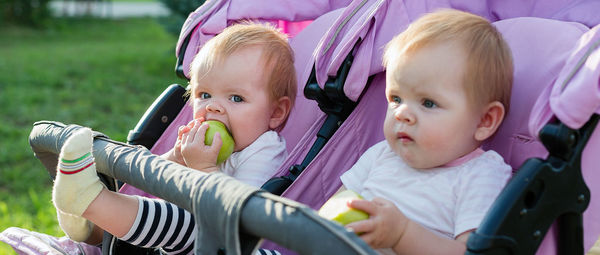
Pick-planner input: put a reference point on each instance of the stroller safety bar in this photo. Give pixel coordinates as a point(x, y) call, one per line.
point(231, 217)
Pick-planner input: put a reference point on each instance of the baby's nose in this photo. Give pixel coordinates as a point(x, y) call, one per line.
point(214, 107)
point(404, 114)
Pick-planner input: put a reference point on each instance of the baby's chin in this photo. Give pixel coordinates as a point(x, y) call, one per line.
point(420, 163)
point(241, 145)
point(419, 158)
point(423, 165)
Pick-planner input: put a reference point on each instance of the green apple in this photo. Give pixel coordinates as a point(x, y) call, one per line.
point(336, 208)
point(228, 143)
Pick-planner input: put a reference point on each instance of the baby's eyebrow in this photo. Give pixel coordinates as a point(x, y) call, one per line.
point(241, 90)
point(392, 90)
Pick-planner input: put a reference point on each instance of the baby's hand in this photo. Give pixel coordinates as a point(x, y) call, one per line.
point(177, 157)
point(184, 129)
point(177, 148)
point(195, 153)
point(385, 226)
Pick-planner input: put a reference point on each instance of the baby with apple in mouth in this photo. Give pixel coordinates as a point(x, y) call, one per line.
point(243, 78)
point(429, 184)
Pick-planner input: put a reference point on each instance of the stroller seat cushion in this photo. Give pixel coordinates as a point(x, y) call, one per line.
point(540, 48)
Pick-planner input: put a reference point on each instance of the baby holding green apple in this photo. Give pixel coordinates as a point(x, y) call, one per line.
point(429, 184)
point(243, 81)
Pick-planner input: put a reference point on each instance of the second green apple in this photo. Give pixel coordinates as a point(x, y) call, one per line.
point(337, 209)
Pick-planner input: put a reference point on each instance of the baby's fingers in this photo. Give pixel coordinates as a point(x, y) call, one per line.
point(191, 123)
point(362, 226)
point(193, 133)
point(364, 229)
point(200, 134)
point(363, 205)
point(184, 138)
point(217, 142)
point(182, 130)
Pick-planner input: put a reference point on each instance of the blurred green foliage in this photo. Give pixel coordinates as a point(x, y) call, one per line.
point(25, 12)
point(180, 9)
point(93, 72)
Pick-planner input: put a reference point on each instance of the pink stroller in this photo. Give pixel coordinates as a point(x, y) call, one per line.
point(338, 58)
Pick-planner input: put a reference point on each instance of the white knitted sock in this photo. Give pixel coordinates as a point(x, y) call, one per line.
point(76, 184)
point(76, 227)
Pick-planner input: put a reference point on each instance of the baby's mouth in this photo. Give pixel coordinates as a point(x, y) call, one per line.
point(226, 126)
point(404, 138)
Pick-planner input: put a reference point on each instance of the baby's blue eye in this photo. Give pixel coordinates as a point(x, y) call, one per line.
point(429, 104)
point(204, 95)
point(236, 98)
point(396, 99)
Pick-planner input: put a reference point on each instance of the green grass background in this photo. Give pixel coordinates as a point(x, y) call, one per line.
point(97, 73)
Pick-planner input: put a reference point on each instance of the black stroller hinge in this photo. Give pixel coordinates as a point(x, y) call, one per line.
point(333, 101)
point(179, 64)
point(546, 190)
point(334, 89)
point(559, 140)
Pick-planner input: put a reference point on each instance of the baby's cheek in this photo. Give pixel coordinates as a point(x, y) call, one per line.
point(433, 143)
point(199, 110)
point(388, 130)
point(242, 138)
point(198, 114)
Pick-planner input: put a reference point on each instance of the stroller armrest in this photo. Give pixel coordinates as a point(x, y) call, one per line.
point(229, 215)
point(44, 148)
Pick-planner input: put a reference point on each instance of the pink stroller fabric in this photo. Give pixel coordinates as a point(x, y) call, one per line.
point(214, 16)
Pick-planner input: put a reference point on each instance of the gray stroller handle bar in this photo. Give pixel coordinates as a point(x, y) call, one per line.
point(231, 216)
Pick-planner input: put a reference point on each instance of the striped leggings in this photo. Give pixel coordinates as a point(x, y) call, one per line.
point(160, 224)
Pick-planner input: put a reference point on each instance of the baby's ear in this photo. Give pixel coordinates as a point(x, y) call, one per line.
point(280, 113)
point(490, 121)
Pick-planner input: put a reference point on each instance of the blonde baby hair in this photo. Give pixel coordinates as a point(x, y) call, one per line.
point(489, 69)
